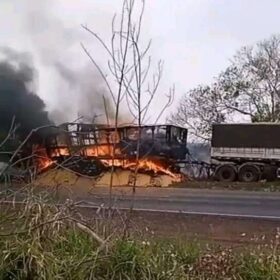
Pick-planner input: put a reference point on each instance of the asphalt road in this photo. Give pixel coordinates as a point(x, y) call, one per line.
point(232, 217)
point(261, 205)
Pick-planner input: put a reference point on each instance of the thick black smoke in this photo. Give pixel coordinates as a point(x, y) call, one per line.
point(71, 86)
point(17, 98)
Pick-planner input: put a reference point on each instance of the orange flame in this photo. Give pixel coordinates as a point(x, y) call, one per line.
point(41, 158)
point(101, 150)
point(105, 153)
point(143, 165)
point(60, 152)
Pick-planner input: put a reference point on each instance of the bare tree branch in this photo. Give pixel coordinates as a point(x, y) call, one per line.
point(100, 71)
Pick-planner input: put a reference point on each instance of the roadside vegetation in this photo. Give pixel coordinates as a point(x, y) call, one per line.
point(39, 240)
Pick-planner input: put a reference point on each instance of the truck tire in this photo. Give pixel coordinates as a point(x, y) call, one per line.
point(249, 173)
point(226, 173)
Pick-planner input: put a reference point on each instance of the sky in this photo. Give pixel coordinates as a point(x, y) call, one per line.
point(195, 38)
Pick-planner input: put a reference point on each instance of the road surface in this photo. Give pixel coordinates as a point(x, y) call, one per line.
point(218, 215)
point(190, 201)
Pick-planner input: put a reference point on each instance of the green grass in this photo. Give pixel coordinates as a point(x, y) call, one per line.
point(74, 255)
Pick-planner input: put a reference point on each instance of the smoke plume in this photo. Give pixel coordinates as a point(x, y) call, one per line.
point(85, 91)
point(17, 96)
point(78, 89)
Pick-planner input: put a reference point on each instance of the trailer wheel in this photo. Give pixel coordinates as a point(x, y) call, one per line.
point(226, 173)
point(249, 173)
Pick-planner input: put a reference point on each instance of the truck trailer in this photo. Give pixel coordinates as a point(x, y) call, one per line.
point(245, 152)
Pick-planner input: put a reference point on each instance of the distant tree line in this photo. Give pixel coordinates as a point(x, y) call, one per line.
point(249, 87)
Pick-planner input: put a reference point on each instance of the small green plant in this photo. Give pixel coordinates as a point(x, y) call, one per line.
point(260, 266)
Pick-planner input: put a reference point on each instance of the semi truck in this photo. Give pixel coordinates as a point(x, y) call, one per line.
point(245, 152)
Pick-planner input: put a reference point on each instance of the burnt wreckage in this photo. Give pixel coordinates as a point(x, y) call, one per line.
point(89, 148)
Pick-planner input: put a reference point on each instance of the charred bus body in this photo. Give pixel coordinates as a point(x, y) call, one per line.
point(245, 152)
point(89, 140)
point(91, 148)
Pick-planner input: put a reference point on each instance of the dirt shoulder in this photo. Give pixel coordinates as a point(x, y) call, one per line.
point(227, 230)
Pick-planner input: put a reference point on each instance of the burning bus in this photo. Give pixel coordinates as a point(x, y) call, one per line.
point(91, 148)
